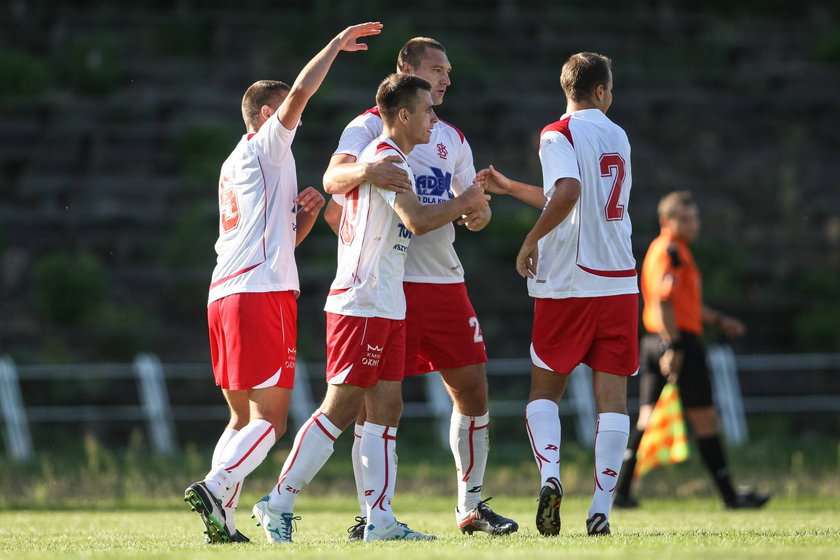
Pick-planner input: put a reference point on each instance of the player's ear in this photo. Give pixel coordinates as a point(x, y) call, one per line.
point(598, 92)
point(405, 68)
point(403, 115)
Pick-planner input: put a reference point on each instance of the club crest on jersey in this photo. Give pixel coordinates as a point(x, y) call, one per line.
point(442, 152)
point(432, 189)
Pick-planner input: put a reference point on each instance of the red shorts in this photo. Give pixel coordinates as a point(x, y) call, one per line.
point(253, 340)
point(601, 332)
point(442, 330)
point(363, 350)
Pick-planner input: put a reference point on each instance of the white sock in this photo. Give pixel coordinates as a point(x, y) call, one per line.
point(470, 442)
point(611, 433)
point(542, 421)
point(227, 435)
point(242, 454)
point(230, 501)
point(313, 446)
point(356, 455)
point(379, 465)
point(231, 494)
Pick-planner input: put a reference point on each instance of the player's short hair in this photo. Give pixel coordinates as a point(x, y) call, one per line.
point(582, 73)
point(671, 203)
point(263, 92)
point(414, 51)
point(396, 92)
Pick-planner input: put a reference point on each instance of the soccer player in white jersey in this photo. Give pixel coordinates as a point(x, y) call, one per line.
point(582, 274)
point(365, 322)
point(252, 310)
point(442, 329)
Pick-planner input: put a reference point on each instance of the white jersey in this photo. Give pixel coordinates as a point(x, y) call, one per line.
point(372, 248)
point(443, 168)
point(589, 253)
point(257, 215)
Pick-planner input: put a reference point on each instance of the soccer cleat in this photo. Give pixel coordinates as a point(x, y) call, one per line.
point(210, 509)
point(357, 531)
point(396, 531)
point(748, 499)
point(277, 526)
point(598, 525)
point(548, 511)
point(482, 518)
point(236, 537)
point(625, 501)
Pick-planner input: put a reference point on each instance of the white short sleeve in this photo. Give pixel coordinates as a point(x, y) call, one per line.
point(273, 140)
point(558, 159)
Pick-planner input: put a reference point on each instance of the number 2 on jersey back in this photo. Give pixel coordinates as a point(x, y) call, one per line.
point(612, 165)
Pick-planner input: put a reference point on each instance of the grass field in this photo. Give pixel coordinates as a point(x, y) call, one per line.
point(686, 528)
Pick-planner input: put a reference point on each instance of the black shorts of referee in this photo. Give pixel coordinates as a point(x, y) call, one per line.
point(693, 380)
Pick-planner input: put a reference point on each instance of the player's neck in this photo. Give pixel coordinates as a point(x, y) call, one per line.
point(572, 106)
point(401, 141)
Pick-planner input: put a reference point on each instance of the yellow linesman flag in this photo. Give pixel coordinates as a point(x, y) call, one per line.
point(664, 440)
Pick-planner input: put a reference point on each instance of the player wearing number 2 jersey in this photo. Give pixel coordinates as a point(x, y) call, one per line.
point(582, 275)
point(442, 329)
point(252, 310)
point(365, 312)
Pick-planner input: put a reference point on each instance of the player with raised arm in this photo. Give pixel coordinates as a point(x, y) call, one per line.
point(582, 275)
point(252, 309)
point(365, 322)
point(442, 329)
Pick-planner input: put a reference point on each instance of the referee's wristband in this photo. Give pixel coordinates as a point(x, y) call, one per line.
point(664, 345)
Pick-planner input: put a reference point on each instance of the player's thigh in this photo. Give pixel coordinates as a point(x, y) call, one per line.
point(467, 386)
point(384, 403)
point(341, 403)
point(610, 392)
point(239, 407)
point(547, 384)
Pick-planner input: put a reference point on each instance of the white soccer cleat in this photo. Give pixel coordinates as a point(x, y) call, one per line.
point(277, 526)
point(396, 531)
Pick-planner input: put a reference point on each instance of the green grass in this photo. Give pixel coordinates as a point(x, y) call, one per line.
point(684, 528)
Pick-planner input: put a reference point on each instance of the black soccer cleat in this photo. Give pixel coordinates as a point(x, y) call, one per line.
point(210, 509)
point(625, 501)
point(482, 518)
point(597, 525)
point(748, 499)
point(548, 510)
point(357, 531)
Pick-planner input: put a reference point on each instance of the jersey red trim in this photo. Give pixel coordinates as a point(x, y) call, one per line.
point(455, 128)
point(609, 273)
point(234, 275)
point(382, 146)
point(373, 111)
point(337, 291)
point(561, 126)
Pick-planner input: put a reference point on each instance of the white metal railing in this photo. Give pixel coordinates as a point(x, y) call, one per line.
point(161, 416)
